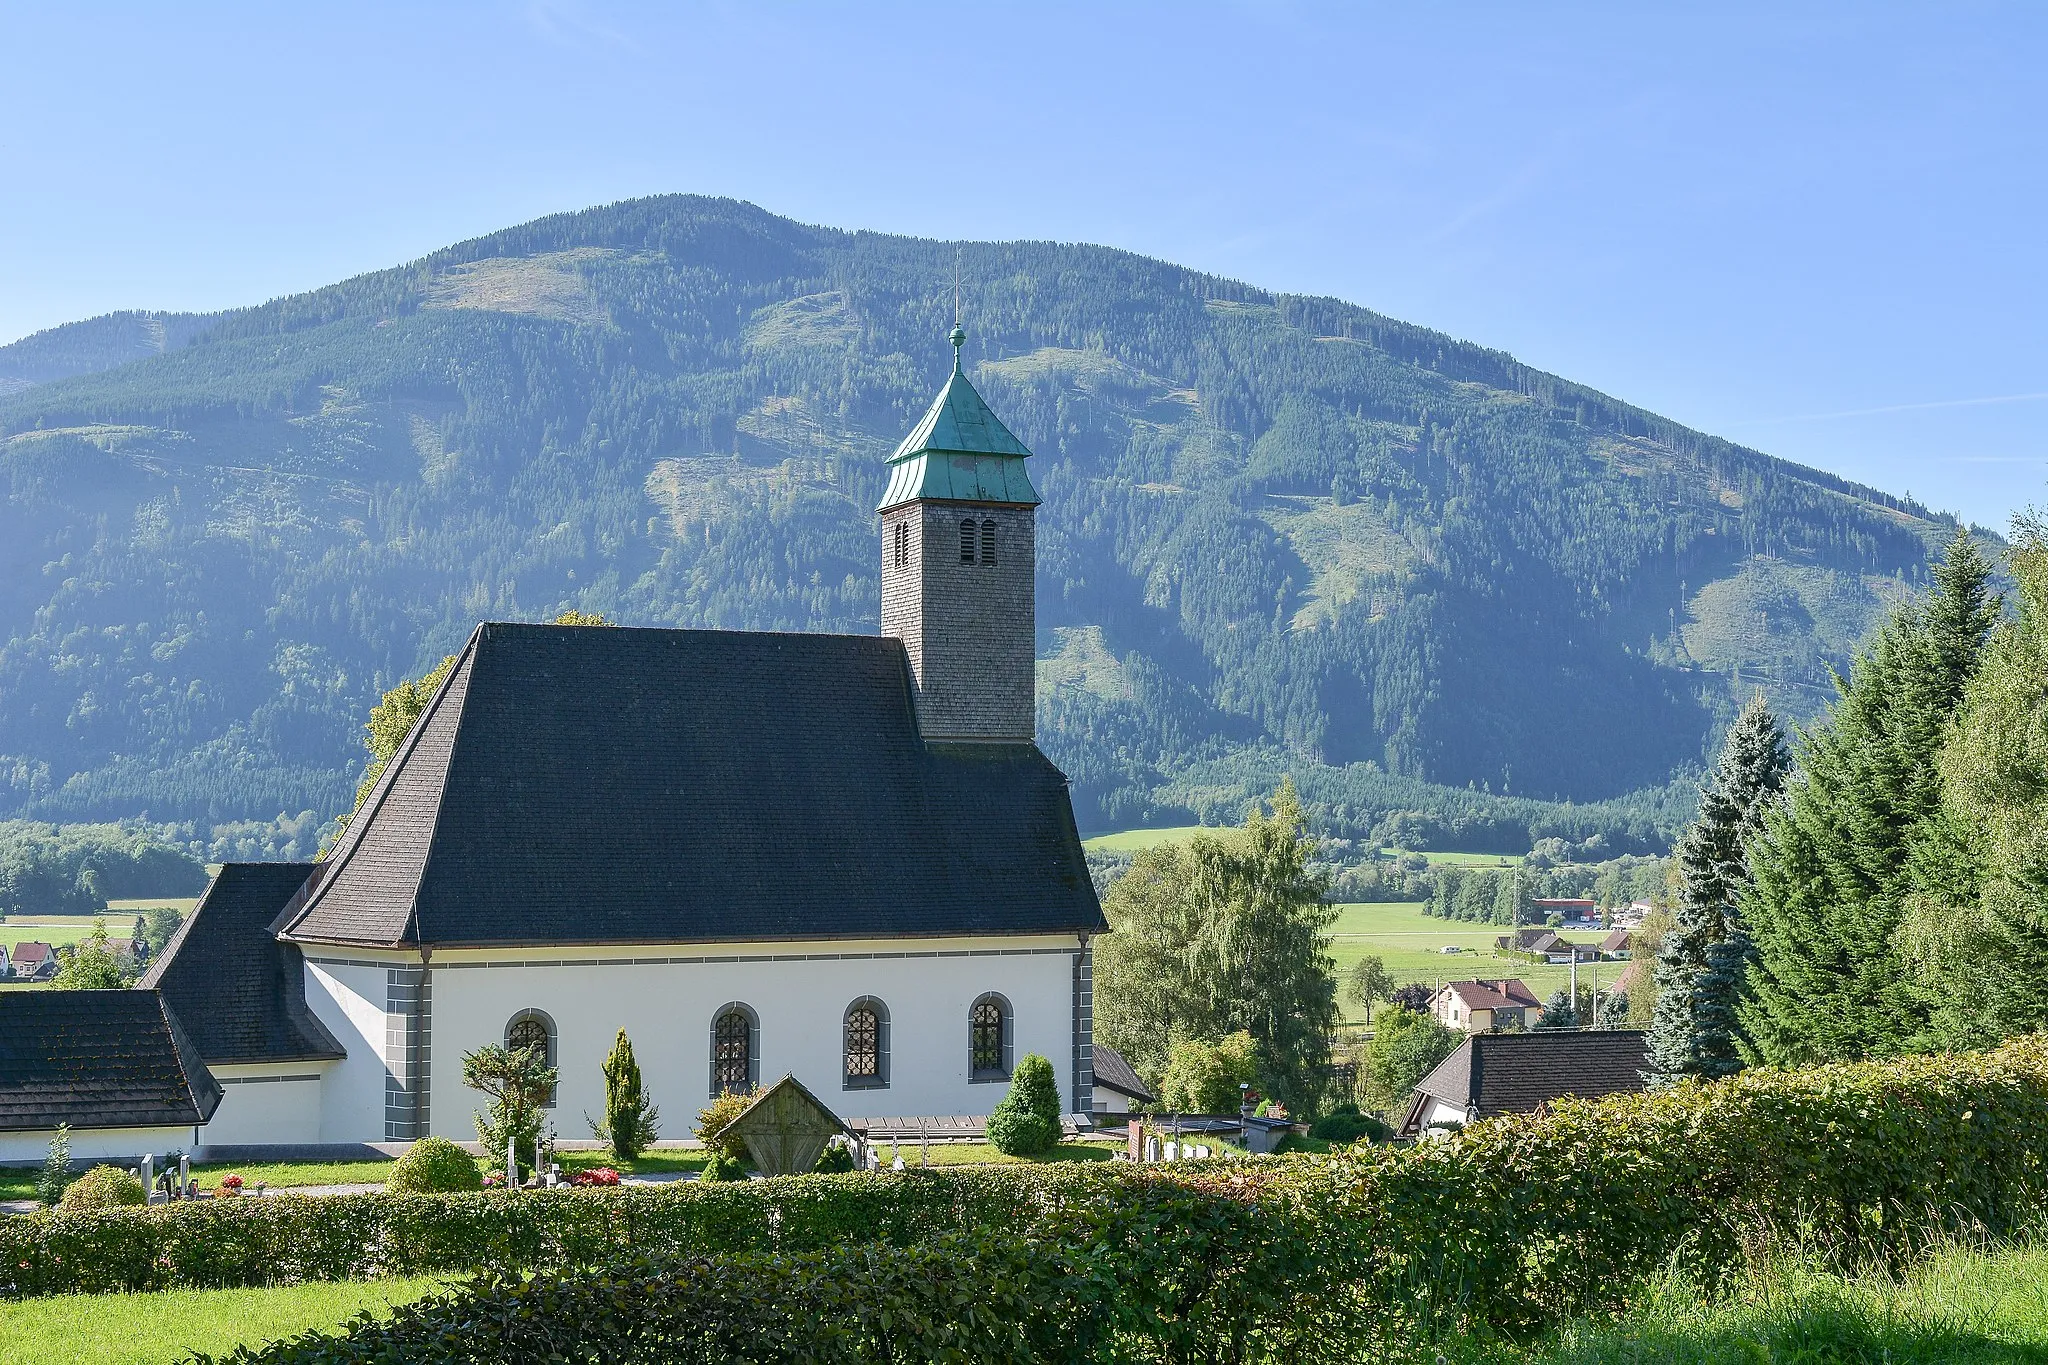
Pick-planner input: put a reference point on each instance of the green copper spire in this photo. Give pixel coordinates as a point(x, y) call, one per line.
point(960, 452)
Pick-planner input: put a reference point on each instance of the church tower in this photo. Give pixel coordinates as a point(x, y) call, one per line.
point(959, 556)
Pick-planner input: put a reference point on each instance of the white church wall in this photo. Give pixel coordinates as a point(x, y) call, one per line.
point(95, 1144)
point(798, 992)
point(349, 998)
point(275, 1102)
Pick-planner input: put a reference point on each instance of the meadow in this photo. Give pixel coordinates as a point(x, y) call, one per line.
point(1410, 943)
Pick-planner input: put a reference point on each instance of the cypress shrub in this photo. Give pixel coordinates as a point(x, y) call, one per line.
point(1026, 1121)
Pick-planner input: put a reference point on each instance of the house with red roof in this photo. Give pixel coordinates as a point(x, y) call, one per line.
point(1485, 1006)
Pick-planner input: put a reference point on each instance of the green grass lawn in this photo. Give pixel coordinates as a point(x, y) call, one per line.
point(1409, 942)
point(57, 932)
point(1460, 859)
point(1137, 840)
point(150, 1329)
point(981, 1154)
point(1961, 1307)
point(182, 904)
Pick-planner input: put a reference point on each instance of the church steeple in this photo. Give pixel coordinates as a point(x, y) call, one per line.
point(958, 561)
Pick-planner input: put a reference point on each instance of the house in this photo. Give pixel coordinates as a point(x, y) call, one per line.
point(1517, 1073)
point(837, 857)
point(1478, 1006)
point(1618, 944)
point(114, 1065)
point(1118, 1090)
point(1546, 944)
point(1572, 908)
point(35, 961)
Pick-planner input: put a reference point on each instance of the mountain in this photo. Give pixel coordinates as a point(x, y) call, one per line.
point(1279, 534)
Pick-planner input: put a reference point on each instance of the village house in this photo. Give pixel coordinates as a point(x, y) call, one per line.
point(34, 961)
point(1483, 1006)
point(1516, 1073)
point(1618, 946)
point(833, 856)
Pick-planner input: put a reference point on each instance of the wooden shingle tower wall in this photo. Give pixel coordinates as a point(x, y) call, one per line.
point(959, 559)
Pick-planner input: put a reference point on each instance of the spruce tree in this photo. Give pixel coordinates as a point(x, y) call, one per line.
point(1831, 883)
point(1700, 961)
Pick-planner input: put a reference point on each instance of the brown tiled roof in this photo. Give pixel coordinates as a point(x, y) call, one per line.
point(1616, 941)
point(1513, 1073)
point(239, 992)
point(98, 1059)
point(31, 953)
point(1504, 993)
point(575, 784)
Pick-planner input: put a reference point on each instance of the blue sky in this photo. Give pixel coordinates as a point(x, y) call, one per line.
point(1815, 229)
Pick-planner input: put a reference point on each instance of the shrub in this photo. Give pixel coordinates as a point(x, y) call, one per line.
point(434, 1166)
point(55, 1176)
point(1026, 1121)
point(1349, 1126)
point(723, 1166)
point(601, 1176)
point(102, 1187)
point(1405, 1047)
point(713, 1119)
point(1491, 1227)
point(630, 1122)
point(836, 1159)
point(1203, 1078)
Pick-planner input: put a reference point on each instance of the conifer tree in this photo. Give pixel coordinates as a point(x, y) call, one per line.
point(1691, 1033)
point(630, 1123)
point(1829, 978)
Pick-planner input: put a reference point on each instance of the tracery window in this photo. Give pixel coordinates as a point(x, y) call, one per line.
point(988, 542)
point(988, 1039)
point(533, 1029)
point(867, 1045)
point(735, 1060)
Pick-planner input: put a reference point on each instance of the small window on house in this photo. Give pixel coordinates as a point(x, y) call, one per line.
point(988, 542)
point(867, 1045)
point(988, 1039)
point(735, 1050)
point(967, 542)
point(902, 544)
point(531, 1029)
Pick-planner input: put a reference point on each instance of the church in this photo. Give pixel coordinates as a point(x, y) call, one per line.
point(841, 857)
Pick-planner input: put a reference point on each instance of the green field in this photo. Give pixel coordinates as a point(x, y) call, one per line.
point(150, 1329)
point(1137, 840)
point(182, 904)
point(1409, 941)
point(1457, 859)
point(56, 932)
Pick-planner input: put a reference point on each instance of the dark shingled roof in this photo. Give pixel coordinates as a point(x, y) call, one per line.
point(1513, 1073)
point(1114, 1073)
point(241, 994)
point(589, 784)
point(98, 1059)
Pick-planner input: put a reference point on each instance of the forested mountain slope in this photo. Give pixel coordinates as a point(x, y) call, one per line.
point(1279, 532)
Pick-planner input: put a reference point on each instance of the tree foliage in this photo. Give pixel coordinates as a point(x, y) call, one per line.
point(91, 965)
point(1225, 935)
point(518, 1082)
point(1207, 1078)
point(1697, 978)
point(1368, 983)
point(1830, 868)
point(630, 1122)
point(1405, 1047)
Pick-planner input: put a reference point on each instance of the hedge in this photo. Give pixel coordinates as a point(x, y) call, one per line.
point(1507, 1224)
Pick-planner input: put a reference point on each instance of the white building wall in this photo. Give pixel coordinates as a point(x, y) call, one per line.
point(274, 1102)
point(799, 992)
point(93, 1144)
point(349, 995)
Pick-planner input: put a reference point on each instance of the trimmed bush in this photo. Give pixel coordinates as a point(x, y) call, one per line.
point(434, 1166)
point(1350, 1126)
point(1026, 1121)
point(1495, 1225)
point(102, 1187)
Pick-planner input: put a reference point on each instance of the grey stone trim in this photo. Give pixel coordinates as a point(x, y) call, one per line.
point(695, 961)
point(1084, 1030)
point(407, 1052)
point(265, 1080)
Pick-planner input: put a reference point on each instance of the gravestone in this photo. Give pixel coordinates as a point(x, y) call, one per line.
point(785, 1129)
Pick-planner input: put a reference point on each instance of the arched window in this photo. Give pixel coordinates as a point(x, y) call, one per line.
point(988, 542)
point(967, 541)
point(735, 1050)
point(867, 1044)
point(902, 544)
point(988, 1039)
point(533, 1029)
